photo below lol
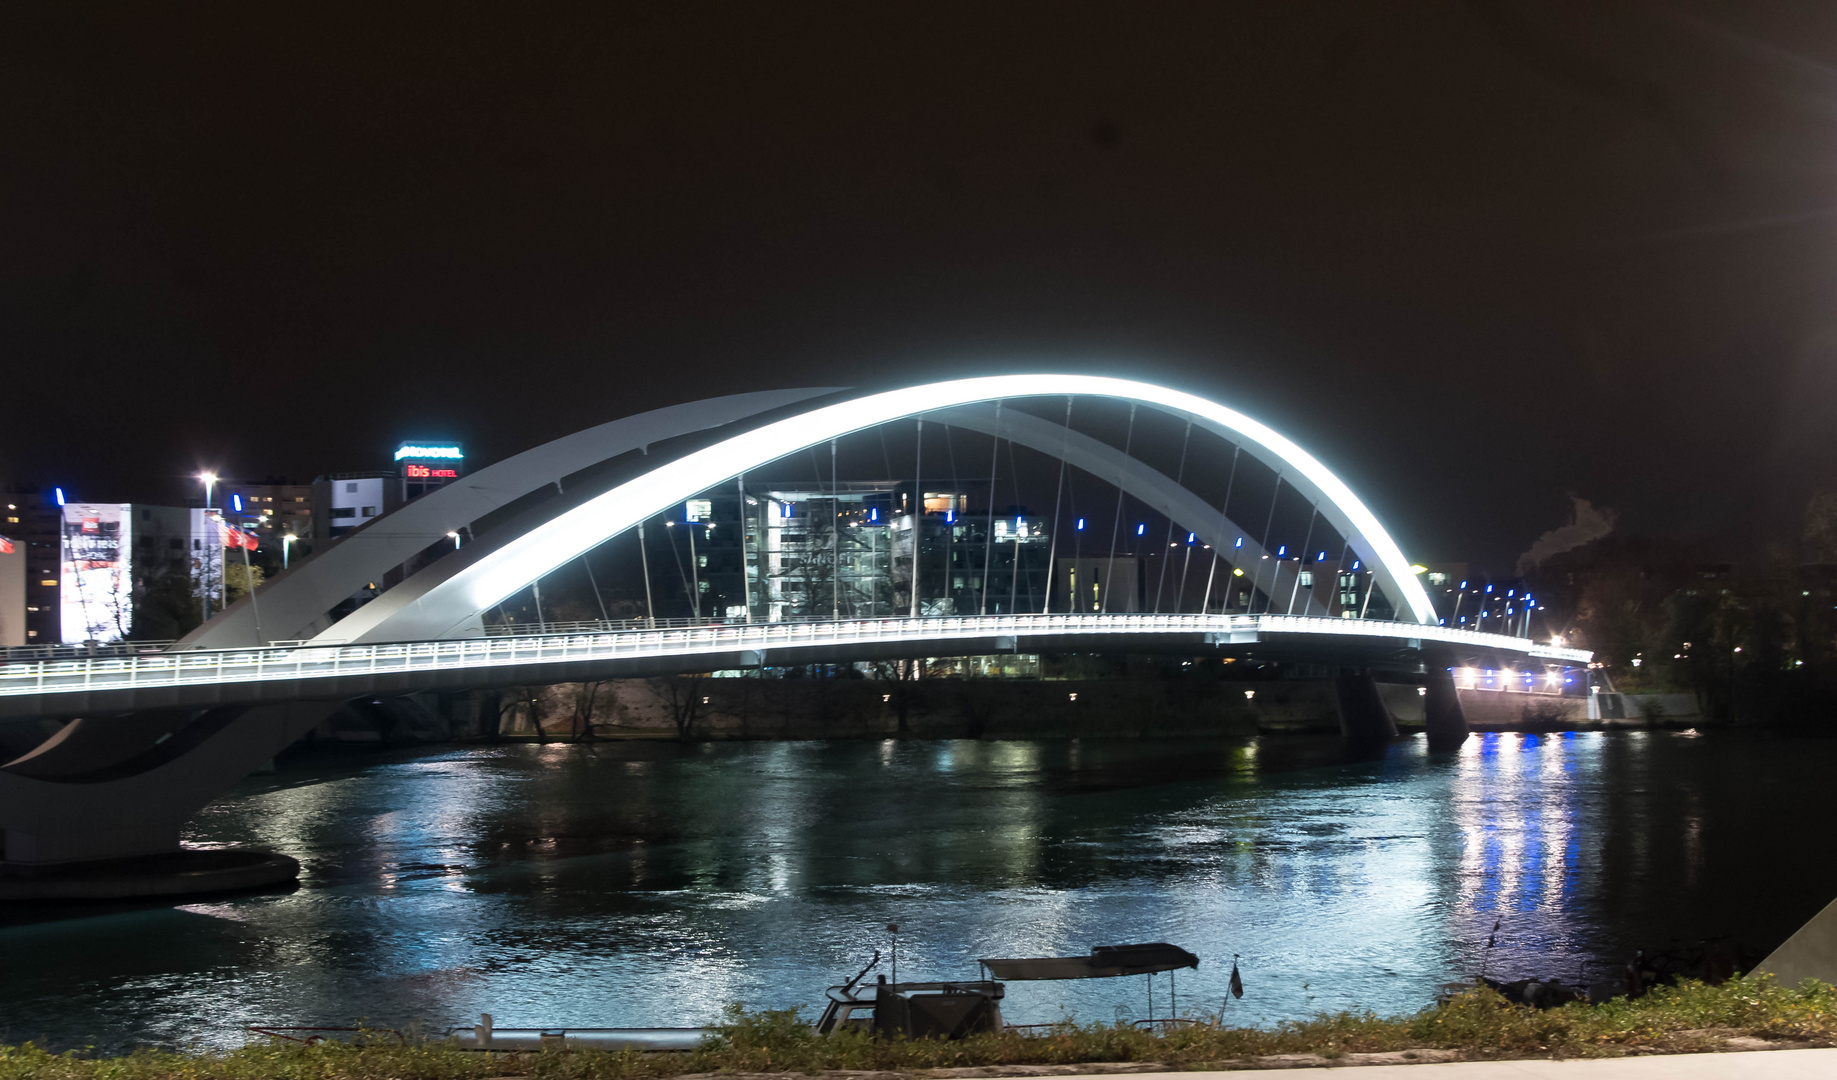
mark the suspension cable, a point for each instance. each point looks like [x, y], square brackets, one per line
[1301, 560]
[1116, 521]
[988, 531]
[813, 599]
[1014, 579]
[746, 586]
[918, 508]
[1224, 514]
[1179, 477]
[835, 538]
[1343, 552]
[1071, 582]
[1186, 564]
[1267, 525]
[950, 525]
[676, 553]
[595, 585]
[644, 560]
[1052, 546]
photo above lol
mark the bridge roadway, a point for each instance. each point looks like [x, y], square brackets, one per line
[101, 685]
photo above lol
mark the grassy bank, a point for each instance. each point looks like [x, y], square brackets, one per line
[1480, 1024]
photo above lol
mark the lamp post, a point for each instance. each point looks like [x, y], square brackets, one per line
[287, 540]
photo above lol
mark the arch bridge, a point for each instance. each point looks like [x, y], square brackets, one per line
[151, 737]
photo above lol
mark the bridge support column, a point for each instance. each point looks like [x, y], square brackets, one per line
[97, 811]
[1442, 715]
[1362, 715]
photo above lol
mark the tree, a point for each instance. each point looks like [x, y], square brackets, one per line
[584, 695]
[239, 580]
[902, 673]
[166, 609]
[1821, 528]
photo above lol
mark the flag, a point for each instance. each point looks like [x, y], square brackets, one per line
[1237, 982]
[236, 538]
[6, 546]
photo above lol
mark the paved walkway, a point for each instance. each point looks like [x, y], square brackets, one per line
[1756, 1064]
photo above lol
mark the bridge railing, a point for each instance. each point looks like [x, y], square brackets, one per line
[309, 662]
[13, 653]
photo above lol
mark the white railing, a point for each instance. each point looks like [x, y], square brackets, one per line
[13, 653]
[296, 662]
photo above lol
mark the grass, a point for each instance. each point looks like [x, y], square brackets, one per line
[1691, 1017]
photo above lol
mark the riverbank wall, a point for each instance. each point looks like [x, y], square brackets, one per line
[763, 708]
[750, 708]
[939, 708]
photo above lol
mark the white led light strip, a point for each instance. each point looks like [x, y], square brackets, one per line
[447, 607]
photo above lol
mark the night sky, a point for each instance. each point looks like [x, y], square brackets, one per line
[1473, 256]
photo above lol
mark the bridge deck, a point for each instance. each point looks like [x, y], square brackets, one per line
[52, 687]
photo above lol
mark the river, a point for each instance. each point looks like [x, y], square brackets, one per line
[650, 883]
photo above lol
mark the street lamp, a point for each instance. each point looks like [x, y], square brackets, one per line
[286, 547]
[210, 481]
[455, 537]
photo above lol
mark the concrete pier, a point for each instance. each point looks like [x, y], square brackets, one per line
[1443, 717]
[1362, 715]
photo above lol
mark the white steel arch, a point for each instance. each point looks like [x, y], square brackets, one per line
[294, 604]
[450, 606]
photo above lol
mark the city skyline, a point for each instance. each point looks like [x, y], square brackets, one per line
[1600, 268]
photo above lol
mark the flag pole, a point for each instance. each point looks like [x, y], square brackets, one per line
[248, 576]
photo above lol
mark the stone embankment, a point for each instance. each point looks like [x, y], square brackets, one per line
[748, 707]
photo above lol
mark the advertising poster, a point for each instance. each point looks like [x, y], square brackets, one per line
[12, 592]
[97, 590]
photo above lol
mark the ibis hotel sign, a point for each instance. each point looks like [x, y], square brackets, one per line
[425, 461]
[426, 466]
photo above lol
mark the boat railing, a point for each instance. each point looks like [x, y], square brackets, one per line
[1168, 1024]
[320, 1034]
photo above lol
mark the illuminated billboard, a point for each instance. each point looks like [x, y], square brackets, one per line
[96, 590]
[12, 592]
[427, 466]
[420, 452]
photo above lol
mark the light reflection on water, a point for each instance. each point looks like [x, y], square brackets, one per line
[637, 884]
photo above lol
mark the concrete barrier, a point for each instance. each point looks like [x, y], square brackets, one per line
[1810, 953]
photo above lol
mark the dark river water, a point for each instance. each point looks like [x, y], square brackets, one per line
[650, 884]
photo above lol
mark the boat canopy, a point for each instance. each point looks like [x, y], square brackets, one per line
[1104, 962]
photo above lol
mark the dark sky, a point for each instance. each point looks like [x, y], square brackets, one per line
[1474, 256]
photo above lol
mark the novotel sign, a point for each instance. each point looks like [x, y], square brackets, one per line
[428, 453]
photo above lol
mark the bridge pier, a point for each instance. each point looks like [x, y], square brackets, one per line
[97, 811]
[1442, 714]
[1363, 719]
